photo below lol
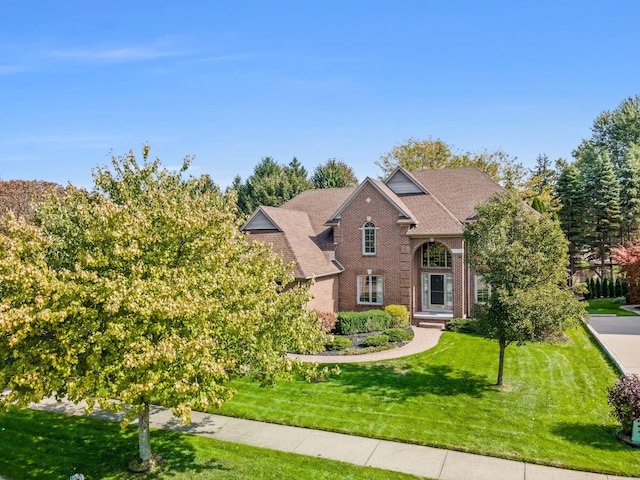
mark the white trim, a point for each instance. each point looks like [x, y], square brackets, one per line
[475, 289]
[457, 250]
[379, 289]
[365, 229]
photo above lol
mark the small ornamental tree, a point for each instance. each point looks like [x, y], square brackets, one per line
[143, 289]
[522, 255]
[624, 398]
[628, 257]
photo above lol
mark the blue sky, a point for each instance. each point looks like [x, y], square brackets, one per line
[232, 82]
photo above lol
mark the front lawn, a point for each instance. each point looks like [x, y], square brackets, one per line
[552, 410]
[607, 307]
[42, 445]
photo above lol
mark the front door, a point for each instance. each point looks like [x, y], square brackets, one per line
[437, 292]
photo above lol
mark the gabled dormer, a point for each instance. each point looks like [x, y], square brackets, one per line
[261, 221]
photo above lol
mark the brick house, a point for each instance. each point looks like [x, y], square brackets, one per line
[393, 242]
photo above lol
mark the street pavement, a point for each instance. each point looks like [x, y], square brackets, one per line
[621, 337]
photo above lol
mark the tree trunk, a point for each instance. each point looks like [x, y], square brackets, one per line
[503, 346]
[144, 435]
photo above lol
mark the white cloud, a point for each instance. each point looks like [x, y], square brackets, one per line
[121, 54]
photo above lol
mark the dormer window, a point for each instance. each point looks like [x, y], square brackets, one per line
[369, 239]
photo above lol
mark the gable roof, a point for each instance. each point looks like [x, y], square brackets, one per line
[459, 190]
[293, 237]
[404, 214]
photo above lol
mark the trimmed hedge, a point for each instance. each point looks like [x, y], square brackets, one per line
[362, 322]
[333, 344]
[463, 325]
[375, 341]
[398, 335]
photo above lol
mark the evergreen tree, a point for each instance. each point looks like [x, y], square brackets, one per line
[270, 184]
[630, 194]
[598, 288]
[333, 174]
[618, 288]
[538, 205]
[570, 191]
[605, 288]
[603, 209]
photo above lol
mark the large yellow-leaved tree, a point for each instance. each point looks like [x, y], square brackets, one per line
[142, 289]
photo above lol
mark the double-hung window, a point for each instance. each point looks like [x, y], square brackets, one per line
[369, 239]
[370, 289]
[483, 290]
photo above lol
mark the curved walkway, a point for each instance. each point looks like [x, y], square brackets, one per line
[423, 339]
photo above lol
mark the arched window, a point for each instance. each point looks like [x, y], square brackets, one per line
[435, 255]
[369, 239]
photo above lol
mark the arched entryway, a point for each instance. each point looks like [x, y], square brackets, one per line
[433, 281]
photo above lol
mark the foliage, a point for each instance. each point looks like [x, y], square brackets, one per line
[614, 131]
[327, 320]
[523, 257]
[375, 341]
[398, 334]
[603, 208]
[21, 196]
[619, 291]
[629, 174]
[144, 288]
[399, 315]
[431, 154]
[334, 174]
[270, 184]
[462, 325]
[628, 257]
[336, 342]
[619, 301]
[598, 288]
[570, 192]
[362, 322]
[538, 205]
[624, 398]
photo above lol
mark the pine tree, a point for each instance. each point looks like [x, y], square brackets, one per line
[603, 208]
[598, 288]
[618, 287]
[570, 191]
[630, 194]
[605, 288]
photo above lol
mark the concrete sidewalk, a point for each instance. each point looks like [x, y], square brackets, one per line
[412, 459]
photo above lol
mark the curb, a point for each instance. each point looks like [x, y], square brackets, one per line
[606, 349]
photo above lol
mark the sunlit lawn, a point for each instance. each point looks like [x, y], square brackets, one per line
[607, 307]
[552, 410]
[41, 445]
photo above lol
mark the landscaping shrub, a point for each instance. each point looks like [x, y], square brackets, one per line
[618, 289]
[463, 325]
[398, 334]
[334, 343]
[598, 290]
[375, 341]
[619, 301]
[362, 322]
[399, 316]
[327, 320]
[605, 287]
[624, 397]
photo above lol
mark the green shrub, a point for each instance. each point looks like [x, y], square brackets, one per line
[624, 398]
[362, 322]
[375, 341]
[618, 288]
[619, 301]
[398, 334]
[399, 316]
[463, 325]
[335, 343]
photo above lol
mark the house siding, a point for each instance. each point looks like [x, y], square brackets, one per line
[392, 259]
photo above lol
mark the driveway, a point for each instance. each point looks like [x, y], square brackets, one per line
[622, 336]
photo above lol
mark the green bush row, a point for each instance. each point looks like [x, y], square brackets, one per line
[336, 343]
[463, 325]
[362, 322]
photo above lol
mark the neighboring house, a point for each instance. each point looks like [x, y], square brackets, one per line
[381, 243]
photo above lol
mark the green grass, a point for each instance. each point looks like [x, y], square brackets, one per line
[42, 445]
[553, 409]
[607, 307]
